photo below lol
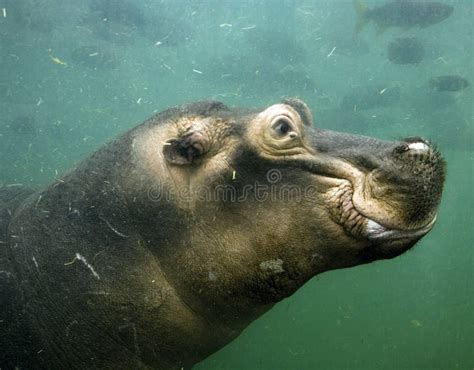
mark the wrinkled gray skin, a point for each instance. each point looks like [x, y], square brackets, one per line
[109, 267]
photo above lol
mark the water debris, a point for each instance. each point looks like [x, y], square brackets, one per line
[35, 262]
[56, 60]
[225, 25]
[4, 12]
[71, 262]
[81, 258]
[95, 57]
[167, 67]
[441, 59]
[59, 182]
[234, 175]
[305, 11]
[248, 28]
[39, 200]
[139, 101]
[101, 292]
[331, 52]
[370, 97]
[197, 71]
[346, 45]
[114, 229]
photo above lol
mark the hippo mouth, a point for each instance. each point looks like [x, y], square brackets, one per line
[360, 226]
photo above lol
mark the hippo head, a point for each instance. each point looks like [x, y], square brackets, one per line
[166, 243]
[251, 204]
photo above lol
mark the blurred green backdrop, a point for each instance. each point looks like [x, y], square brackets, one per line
[73, 75]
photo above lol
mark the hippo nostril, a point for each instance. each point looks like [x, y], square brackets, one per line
[413, 148]
[401, 149]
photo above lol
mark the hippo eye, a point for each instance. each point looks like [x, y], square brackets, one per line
[283, 127]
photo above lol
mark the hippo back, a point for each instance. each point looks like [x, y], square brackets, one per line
[10, 199]
[10, 302]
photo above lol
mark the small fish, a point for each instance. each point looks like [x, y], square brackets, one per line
[57, 60]
[405, 50]
[448, 83]
[402, 13]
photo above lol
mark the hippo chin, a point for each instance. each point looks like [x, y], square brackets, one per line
[166, 243]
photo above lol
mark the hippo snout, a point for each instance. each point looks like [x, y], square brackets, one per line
[422, 169]
[391, 190]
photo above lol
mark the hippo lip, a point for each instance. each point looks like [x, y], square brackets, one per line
[358, 225]
[377, 232]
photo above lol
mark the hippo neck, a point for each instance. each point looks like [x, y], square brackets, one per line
[110, 279]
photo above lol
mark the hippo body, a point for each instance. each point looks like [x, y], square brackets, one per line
[163, 245]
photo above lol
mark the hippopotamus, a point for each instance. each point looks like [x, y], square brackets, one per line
[166, 243]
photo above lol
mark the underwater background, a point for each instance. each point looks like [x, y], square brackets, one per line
[75, 74]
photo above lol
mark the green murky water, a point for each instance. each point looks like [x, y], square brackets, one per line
[74, 74]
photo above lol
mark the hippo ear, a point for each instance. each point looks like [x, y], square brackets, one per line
[185, 149]
[302, 109]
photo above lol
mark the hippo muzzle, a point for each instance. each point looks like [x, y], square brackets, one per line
[387, 192]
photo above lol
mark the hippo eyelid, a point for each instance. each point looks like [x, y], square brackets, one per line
[283, 126]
